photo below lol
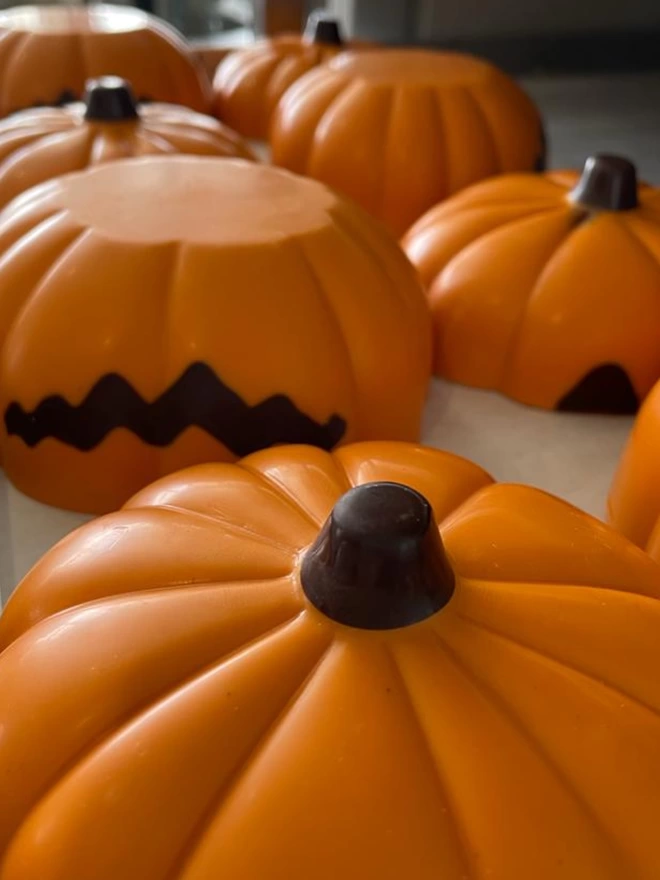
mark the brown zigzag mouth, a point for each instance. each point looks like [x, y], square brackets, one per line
[197, 398]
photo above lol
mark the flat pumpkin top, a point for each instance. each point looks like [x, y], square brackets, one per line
[412, 66]
[190, 199]
[73, 19]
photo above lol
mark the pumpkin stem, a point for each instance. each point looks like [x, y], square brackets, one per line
[379, 561]
[109, 99]
[607, 183]
[323, 29]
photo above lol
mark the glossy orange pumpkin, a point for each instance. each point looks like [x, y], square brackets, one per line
[634, 502]
[48, 52]
[250, 82]
[547, 288]
[400, 130]
[37, 145]
[212, 683]
[166, 311]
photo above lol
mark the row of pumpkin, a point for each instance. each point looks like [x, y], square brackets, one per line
[373, 662]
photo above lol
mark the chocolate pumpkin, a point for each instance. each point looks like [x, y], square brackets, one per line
[547, 288]
[400, 130]
[48, 52]
[165, 311]
[634, 501]
[36, 145]
[249, 83]
[275, 675]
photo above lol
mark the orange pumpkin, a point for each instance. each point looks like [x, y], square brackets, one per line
[634, 502]
[48, 52]
[36, 145]
[166, 311]
[249, 83]
[265, 696]
[399, 130]
[547, 288]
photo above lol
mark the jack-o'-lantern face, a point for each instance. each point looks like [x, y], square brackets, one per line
[160, 312]
[547, 287]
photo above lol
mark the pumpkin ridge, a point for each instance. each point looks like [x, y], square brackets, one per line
[516, 335]
[61, 773]
[355, 237]
[235, 777]
[440, 117]
[231, 526]
[328, 307]
[502, 707]
[471, 869]
[481, 113]
[281, 490]
[345, 89]
[386, 149]
[12, 50]
[79, 235]
[630, 229]
[509, 223]
[554, 661]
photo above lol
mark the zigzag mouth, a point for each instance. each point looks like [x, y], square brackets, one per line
[197, 398]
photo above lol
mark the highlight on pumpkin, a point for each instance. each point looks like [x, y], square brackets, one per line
[107, 125]
[546, 287]
[262, 715]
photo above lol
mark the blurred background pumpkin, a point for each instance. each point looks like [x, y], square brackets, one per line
[547, 288]
[109, 124]
[48, 52]
[286, 670]
[165, 311]
[250, 82]
[398, 130]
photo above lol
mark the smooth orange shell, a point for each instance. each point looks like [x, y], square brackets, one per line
[398, 130]
[531, 293]
[37, 145]
[249, 83]
[166, 311]
[172, 706]
[634, 501]
[48, 52]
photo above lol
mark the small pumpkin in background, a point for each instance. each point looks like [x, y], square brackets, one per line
[170, 310]
[248, 84]
[398, 130]
[37, 145]
[47, 53]
[287, 670]
[547, 287]
[634, 500]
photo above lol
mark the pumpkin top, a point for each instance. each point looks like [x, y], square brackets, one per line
[378, 563]
[322, 28]
[190, 199]
[412, 66]
[109, 99]
[608, 183]
[100, 18]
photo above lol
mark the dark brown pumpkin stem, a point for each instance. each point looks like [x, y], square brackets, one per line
[109, 99]
[323, 29]
[607, 183]
[379, 561]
